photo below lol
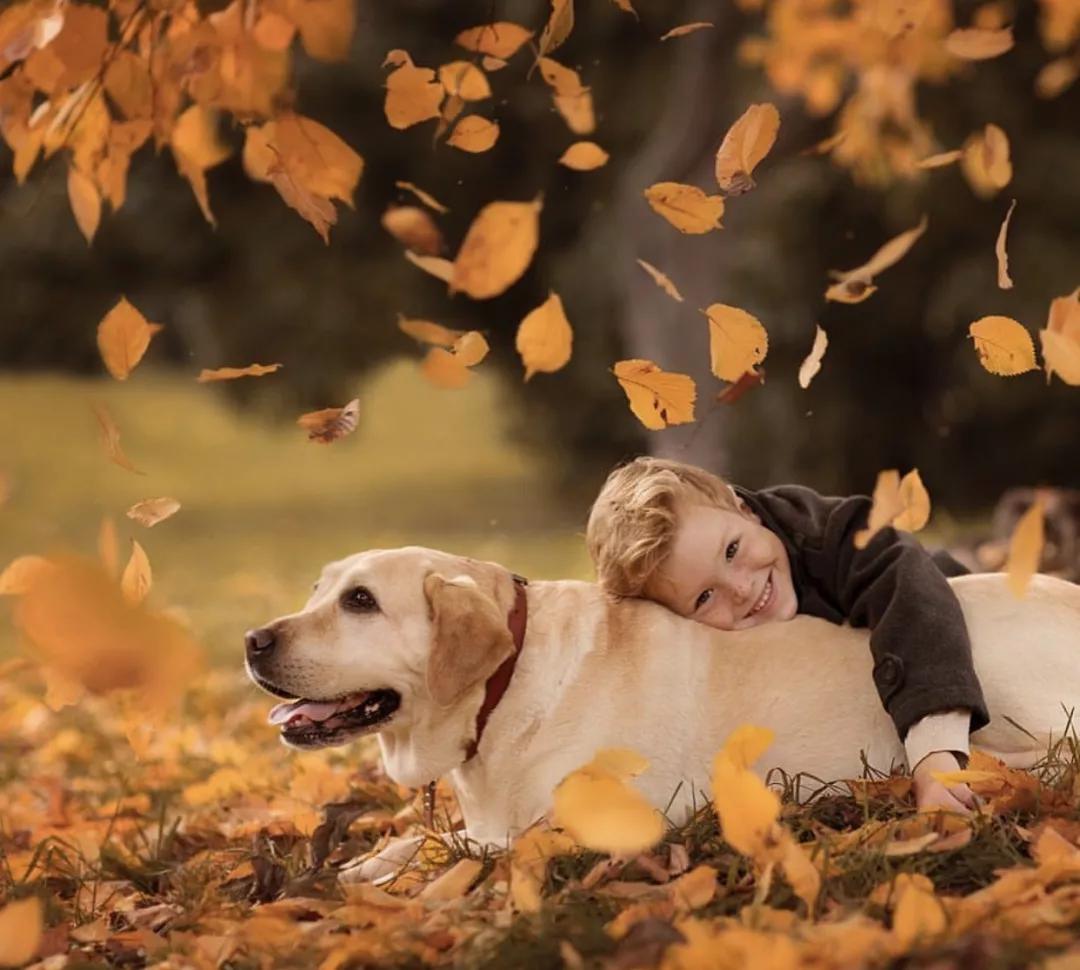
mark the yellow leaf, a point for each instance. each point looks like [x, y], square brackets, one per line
[661, 280]
[60, 691]
[151, 511]
[429, 200]
[800, 872]
[330, 424]
[746, 143]
[686, 207]
[474, 134]
[20, 573]
[412, 226]
[544, 338]
[967, 776]
[850, 291]
[454, 883]
[196, 147]
[915, 503]
[737, 341]
[232, 373]
[497, 249]
[683, 29]
[1061, 339]
[979, 44]
[694, 889]
[441, 269]
[657, 398]
[746, 744]
[622, 763]
[109, 435]
[918, 915]
[747, 809]
[85, 202]
[501, 39]
[985, 161]
[450, 368]
[1025, 550]
[137, 577]
[602, 812]
[1004, 281]
[572, 99]
[471, 348]
[557, 29]
[20, 931]
[122, 338]
[855, 284]
[940, 160]
[108, 546]
[812, 364]
[1057, 77]
[885, 507]
[1004, 346]
[584, 156]
[413, 94]
[464, 80]
[326, 26]
[529, 856]
[428, 332]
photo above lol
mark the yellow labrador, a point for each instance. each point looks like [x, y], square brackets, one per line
[406, 643]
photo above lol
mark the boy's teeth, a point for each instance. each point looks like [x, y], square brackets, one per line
[764, 597]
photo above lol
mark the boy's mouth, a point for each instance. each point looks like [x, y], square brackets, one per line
[765, 598]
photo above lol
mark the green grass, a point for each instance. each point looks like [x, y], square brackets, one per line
[263, 508]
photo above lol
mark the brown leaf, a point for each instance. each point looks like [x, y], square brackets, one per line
[501, 39]
[979, 44]
[686, 207]
[110, 439]
[661, 280]
[122, 338]
[497, 249]
[733, 393]
[1004, 281]
[26, 27]
[558, 27]
[429, 200]
[657, 398]
[329, 424]
[683, 29]
[232, 373]
[746, 143]
[412, 226]
[151, 511]
[544, 338]
[855, 285]
[21, 920]
[812, 364]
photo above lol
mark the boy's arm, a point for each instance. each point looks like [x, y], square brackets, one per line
[946, 731]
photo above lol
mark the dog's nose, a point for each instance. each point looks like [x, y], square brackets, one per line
[258, 641]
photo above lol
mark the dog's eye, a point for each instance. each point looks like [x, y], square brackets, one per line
[359, 599]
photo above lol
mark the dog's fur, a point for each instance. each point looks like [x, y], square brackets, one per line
[596, 673]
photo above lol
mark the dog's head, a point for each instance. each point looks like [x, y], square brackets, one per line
[385, 634]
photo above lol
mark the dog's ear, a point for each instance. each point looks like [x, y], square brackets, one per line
[470, 637]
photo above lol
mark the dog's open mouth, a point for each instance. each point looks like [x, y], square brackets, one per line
[322, 724]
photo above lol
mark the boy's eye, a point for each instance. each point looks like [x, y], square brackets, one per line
[733, 547]
[702, 599]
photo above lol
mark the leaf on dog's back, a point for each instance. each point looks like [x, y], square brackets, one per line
[601, 811]
[1025, 550]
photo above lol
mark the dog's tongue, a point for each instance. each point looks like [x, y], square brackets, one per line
[314, 710]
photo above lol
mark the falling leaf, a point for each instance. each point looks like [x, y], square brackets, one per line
[558, 27]
[464, 80]
[661, 280]
[441, 269]
[940, 160]
[1004, 281]
[686, 207]
[985, 161]
[151, 511]
[1061, 339]
[584, 156]
[746, 143]
[602, 812]
[497, 249]
[501, 39]
[812, 364]
[197, 147]
[429, 333]
[1004, 346]
[5, 488]
[108, 546]
[1057, 77]
[747, 809]
[413, 94]
[85, 202]
[855, 285]
[21, 925]
[695, 889]
[110, 439]
[902, 503]
[450, 368]
[572, 99]
[20, 573]
[657, 398]
[626, 7]
[412, 226]
[918, 916]
[684, 29]
[474, 134]
[529, 857]
[329, 424]
[122, 338]
[734, 392]
[737, 341]
[978, 44]
[429, 200]
[232, 373]
[544, 338]
[137, 578]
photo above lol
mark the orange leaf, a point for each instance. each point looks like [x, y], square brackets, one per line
[497, 249]
[1004, 346]
[686, 207]
[683, 29]
[449, 368]
[940, 160]
[428, 332]
[197, 148]
[558, 27]
[572, 99]
[326, 27]
[151, 511]
[501, 39]
[746, 143]
[85, 202]
[464, 80]
[737, 341]
[855, 284]
[329, 424]
[429, 200]
[584, 156]
[21, 924]
[661, 280]
[812, 364]
[1061, 339]
[901, 503]
[137, 577]
[544, 338]
[985, 161]
[474, 134]
[1004, 281]
[1025, 550]
[232, 373]
[412, 226]
[20, 573]
[110, 439]
[413, 94]
[441, 269]
[108, 546]
[979, 44]
[657, 398]
[122, 338]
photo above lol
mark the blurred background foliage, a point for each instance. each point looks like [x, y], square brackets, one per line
[901, 385]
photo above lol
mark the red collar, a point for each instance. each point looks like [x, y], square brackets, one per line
[500, 680]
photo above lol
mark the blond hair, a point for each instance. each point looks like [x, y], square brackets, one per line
[633, 520]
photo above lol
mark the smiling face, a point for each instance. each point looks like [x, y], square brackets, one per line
[725, 570]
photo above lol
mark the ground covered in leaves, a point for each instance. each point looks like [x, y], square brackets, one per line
[191, 838]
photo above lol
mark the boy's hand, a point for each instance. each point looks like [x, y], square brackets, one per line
[931, 794]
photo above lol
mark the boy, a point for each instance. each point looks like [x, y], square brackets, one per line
[732, 559]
